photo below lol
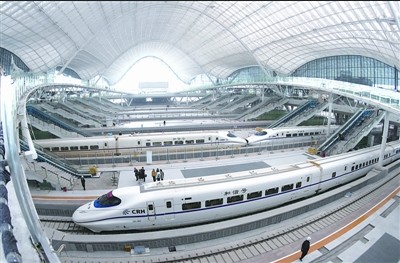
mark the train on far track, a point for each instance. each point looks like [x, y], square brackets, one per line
[287, 134]
[117, 144]
[194, 201]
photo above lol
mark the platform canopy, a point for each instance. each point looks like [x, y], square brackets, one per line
[196, 37]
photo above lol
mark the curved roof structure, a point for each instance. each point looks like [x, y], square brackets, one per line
[211, 37]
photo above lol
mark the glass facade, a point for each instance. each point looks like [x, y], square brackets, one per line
[6, 58]
[355, 69]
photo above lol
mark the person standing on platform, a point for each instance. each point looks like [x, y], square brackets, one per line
[136, 171]
[161, 174]
[142, 174]
[83, 181]
[305, 247]
[153, 174]
[158, 174]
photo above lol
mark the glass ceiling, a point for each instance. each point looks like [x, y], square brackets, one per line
[203, 37]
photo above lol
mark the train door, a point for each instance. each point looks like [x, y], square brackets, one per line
[151, 211]
[169, 209]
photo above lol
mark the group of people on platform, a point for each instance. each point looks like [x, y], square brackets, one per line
[156, 174]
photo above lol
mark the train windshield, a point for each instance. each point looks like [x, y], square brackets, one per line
[107, 200]
[260, 133]
[231, 135]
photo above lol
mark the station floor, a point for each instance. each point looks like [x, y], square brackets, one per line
[380, 243]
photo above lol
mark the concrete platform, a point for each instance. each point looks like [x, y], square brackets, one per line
[375, 238]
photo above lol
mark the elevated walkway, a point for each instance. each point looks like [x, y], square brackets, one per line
[81, 120]
[303, 110]
[305, 115]
[49, 119]
[201, 102]
[351, 133]
[238, 103]
[262, 107]
[221, 102]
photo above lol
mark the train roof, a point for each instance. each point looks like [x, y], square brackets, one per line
[295, 128]
[138, 135]
[221, 178]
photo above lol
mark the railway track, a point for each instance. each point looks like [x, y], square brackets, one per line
[260, 244]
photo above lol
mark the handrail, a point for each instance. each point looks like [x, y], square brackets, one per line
[10, 248]
[54, 161]
[330, 141]
[295, 112]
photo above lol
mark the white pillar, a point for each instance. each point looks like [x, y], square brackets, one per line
[384, 138]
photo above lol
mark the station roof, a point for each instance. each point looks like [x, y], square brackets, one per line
[196, 37]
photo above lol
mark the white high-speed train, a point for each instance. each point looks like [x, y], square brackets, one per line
[275, 135]
[116, 143]
[166, 204]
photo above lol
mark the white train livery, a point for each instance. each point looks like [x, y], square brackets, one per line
[276, 135]
[183, 202]
[129, 141]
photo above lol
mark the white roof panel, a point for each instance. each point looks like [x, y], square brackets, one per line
[213, 37]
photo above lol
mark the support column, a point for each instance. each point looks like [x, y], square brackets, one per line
[371, 139]
[384, 138]
[330, 101]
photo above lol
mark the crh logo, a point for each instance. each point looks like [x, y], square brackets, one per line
[125, 212]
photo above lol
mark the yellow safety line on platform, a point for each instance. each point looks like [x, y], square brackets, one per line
[296, 255]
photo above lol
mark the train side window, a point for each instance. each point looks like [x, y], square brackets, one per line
[168, 143]
[294, 134]
[333, 174]
[301, 134]
[287, 187]
[178, 142]
[94, 147]
[352, 168]
[193, 205]
[84, 147]
[138, 142]
[157, 143]
[168, 204]
[356, 167]
[64, 148]
[298, 184]
[271, 191]
[47, 148]
[288, 135]
[74, 147]
[235, 198]
[312, 133]
[150, 207]
[254, 195]
[189, 141]
[199, 141]
[345, 168]
[105, 144]
[214, 202]
[306, 134]
[308, 179]
[148, 144]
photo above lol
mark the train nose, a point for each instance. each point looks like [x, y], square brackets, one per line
[81, 213]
